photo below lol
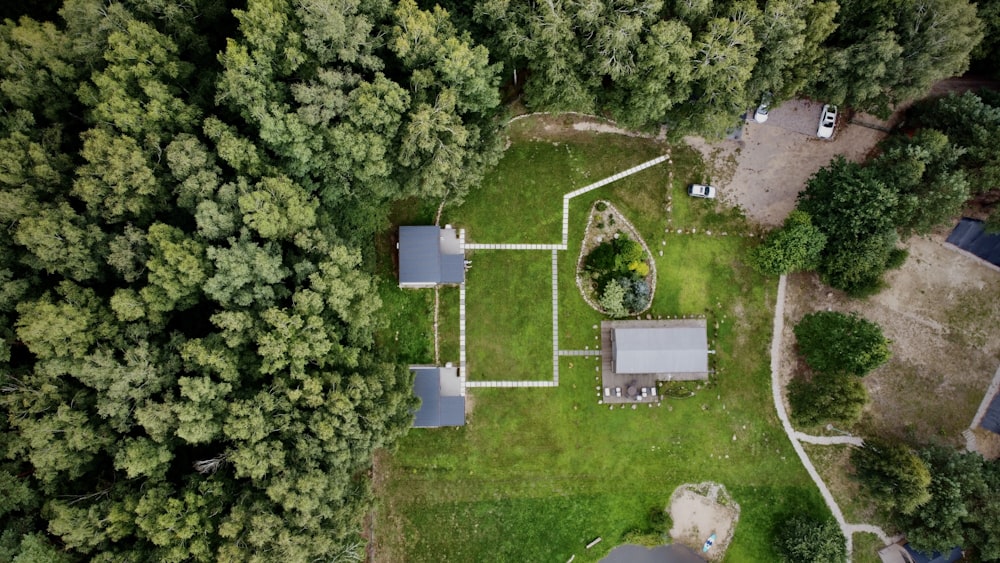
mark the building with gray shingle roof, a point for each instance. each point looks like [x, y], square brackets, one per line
[441, 402]
[430, 255]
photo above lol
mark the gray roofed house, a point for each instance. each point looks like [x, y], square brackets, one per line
[636, 355]
[441, 400]
[659, 349]
[429, 256]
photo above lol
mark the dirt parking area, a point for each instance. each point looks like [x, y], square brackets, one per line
[764, 171]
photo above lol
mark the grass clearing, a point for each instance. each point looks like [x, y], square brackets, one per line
[508, 315]
[448, 324]
[834, 465]
[536, 474]
[866, 548]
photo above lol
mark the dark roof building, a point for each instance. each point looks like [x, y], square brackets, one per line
[970, 236]
[430, 255]
[991, 420]
[441, 400]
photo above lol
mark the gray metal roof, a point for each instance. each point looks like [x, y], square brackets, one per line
[660, 350]
[422, 260]
[969, 235]
[991, 420]
[435, 410]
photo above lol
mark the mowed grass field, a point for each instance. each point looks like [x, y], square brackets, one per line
[536, 474]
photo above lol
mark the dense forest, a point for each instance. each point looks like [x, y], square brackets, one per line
[189, 194]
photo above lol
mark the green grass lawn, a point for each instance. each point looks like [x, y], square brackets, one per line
[538, 473]
[866, 548]
[508, 315]
[448, 328]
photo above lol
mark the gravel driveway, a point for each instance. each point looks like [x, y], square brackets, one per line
[764, 171]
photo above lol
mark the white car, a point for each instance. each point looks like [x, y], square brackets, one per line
[760, 116]
[827, 121]
[701, 190]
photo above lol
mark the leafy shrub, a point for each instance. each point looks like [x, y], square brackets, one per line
[897, 258]
[637, 293]
[612, 299]
[802, 539]
[835, 342]
[893, 474]
[601, 206]
[828, 397]
[601, 259]
[795, 246]
[620, 262]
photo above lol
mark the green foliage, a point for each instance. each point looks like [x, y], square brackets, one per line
[894, 474]
[619, 269]
[923, 170]
[833, 342]
[803, 539]
[963, 508]
[827, 398]
[794, 247]
[972, 124]
[992, 224]
[857, 212]
[880, 55]
[612, 299]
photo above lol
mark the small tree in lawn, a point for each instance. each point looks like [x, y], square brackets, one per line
[835, 342]
[893, 474]
[803, 539]
[794, 247]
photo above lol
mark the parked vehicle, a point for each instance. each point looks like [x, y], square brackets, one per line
[827, 121]
[701, 190]
[760, 116]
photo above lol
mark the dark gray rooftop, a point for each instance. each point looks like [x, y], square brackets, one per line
[437, 407]
[429, 255]
[671, 349]
[991, 420]
[970, 236]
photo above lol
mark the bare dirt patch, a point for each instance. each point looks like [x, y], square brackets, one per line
[942, 313]
[698, 511]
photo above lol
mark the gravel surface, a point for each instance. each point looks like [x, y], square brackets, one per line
[764, 172]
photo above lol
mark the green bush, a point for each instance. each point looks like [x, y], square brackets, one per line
[619, 265]
[828, 397]
[802, 539]
[835, 342]
[893, 474]
[794, 247]
[612, 299]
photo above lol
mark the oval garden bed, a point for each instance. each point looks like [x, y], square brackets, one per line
[615, 271]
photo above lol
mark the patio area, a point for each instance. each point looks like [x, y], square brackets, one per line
[637, 388]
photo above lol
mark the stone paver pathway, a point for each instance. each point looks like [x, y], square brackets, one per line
[778, 326]
[555, 248]
[828, 440]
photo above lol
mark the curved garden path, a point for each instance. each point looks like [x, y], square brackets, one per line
[797, 437]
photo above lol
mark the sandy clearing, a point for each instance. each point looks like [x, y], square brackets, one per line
[942, 314]
[699, 511]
